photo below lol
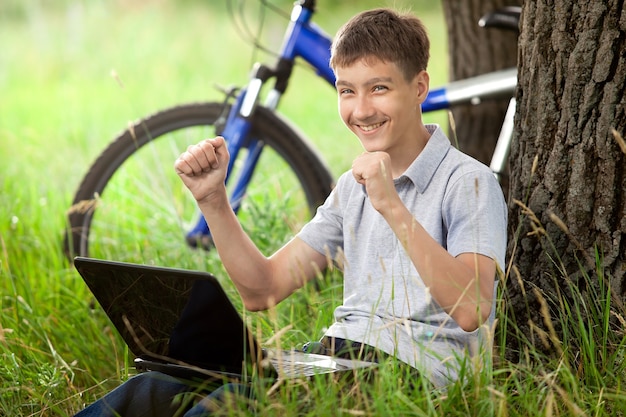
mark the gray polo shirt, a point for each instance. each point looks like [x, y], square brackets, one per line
[386, 304]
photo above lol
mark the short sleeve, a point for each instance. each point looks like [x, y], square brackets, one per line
[324, 232]
[475, 216]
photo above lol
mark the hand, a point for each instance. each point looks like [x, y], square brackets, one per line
[202, 168]
[373, 170]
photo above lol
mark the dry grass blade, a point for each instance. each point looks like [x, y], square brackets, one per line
[620, 141]
[561, 225]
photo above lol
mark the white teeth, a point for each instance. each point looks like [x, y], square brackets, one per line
[371, 127]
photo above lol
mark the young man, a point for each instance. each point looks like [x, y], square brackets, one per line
[418, 227]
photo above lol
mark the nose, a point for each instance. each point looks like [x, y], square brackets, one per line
[363, 108]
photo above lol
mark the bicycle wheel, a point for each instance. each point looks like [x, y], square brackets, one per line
[132, 206]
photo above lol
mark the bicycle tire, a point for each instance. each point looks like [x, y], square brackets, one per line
[103, 224]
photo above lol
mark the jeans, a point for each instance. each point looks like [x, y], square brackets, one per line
[158, 395]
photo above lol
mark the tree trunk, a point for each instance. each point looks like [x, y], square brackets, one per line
[474, 50]
[568, 182]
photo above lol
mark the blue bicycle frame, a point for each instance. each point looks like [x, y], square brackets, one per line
[306, 40]
[302, 39]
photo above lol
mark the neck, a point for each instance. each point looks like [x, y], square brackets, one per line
[403, 157]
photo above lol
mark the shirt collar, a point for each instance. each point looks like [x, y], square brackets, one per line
[423, 168]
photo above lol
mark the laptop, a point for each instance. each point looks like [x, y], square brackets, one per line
[182, 323]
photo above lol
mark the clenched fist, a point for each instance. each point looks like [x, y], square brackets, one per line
[203, 167]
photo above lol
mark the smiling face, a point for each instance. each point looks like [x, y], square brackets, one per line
[381, 107]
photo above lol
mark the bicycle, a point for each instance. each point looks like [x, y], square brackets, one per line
[260, 141]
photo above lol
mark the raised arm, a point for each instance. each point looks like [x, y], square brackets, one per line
[461, 285]
[261, 281]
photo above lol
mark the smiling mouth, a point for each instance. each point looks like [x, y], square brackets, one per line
[369, 128]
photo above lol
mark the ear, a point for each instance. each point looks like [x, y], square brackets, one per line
[422, 83]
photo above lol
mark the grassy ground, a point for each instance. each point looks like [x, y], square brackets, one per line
[72, 74]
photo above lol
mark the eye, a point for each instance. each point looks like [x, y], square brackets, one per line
[378, 88]
[344, 91]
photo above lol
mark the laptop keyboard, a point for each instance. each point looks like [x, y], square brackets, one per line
[294, 364]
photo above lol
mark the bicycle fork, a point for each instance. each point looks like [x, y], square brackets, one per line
[237, 132]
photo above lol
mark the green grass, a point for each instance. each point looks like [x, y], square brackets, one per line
[60, 106]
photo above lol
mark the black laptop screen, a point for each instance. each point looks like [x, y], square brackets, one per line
[165, 312]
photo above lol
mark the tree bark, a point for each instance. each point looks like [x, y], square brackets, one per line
[568, 182]
[474, 50]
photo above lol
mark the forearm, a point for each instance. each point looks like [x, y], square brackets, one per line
[248, 268]
[462, 287]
